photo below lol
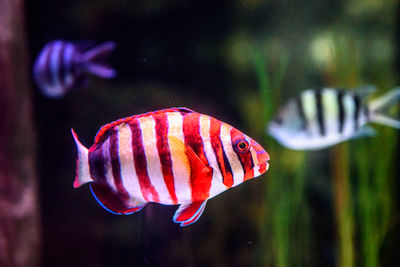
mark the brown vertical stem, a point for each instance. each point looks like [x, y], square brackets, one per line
[19, 231]
[343, 206]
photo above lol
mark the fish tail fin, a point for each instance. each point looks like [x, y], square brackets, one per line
[82, 164]
[378, 106]
[94, 60]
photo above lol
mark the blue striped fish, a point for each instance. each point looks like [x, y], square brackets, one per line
[62, 66]
[171, 156]
[321, 118]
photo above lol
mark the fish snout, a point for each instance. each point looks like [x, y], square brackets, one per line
[262, 157]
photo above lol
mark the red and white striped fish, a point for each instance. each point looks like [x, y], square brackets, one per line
[171, 156]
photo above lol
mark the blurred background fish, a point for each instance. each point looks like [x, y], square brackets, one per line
[62, 66]
[319, 118]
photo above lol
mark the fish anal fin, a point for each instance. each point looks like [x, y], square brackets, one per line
[365, 131]
[187, 214]
[112, 202]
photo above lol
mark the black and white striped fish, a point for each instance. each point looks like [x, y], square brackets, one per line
[320, 118]
[62, 66]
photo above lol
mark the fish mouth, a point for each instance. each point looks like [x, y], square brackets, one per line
[263, 156]
[263, 167]
[267, 166]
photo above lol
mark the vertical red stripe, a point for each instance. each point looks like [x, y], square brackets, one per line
[148, 191]
[164, 153]
[246, 160]
[116, 167]
[200, 179]
[223, 163]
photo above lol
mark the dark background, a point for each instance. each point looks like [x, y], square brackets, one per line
[197, 54]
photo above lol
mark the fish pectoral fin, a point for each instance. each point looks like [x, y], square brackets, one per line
[112, 202]
[365, 131]
[188, 154]
[187, 214]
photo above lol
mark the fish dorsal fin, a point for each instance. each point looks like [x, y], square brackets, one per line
[102, 134]
[182, 110]
[364, 91]
[112, 202]
[187, 214]
[84, 45]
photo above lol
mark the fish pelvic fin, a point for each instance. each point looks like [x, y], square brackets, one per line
[379, 105]
[94, 60]
[82, 164]
[187, 214]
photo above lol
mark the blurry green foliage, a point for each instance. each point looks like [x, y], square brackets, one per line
[345, 56]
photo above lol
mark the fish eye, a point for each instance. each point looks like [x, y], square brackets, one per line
[242, 146]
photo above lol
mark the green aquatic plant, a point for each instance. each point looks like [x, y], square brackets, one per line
[358, 189]
[363, 199]
[361, 196]
[344, 71]
[284, 219]
[374, 196]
